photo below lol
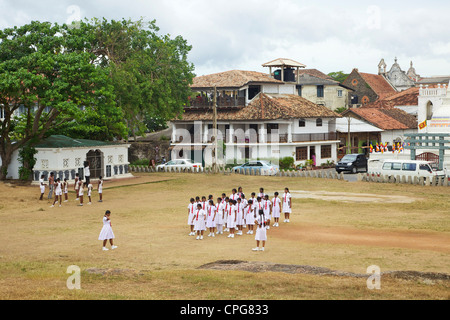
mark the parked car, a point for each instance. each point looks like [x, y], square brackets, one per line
[265, 167]
[353, 163]
[179, 163]
[394, 168]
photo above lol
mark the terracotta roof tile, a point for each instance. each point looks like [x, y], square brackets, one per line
[264, 107]
[409, 97]
[387, 119]
[378, 84]
[232, 79]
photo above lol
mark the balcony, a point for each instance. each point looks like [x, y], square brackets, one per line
[222, 102]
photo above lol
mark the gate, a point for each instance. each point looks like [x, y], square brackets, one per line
[95, 159]
[431, 157]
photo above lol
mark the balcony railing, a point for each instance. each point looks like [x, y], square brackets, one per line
[222, 102]
[283, 138]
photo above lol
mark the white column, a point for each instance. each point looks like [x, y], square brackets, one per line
[174, 132]
[290, 133]
[205, 133]
[262, 133]
[231, 133]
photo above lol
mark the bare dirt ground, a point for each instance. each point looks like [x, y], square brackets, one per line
[331, 232]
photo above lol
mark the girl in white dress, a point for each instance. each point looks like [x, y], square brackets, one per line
[261, 231]
[261, 193]
[267, 210]
[90, 187]
[226, 210]
[250, 218]
[107, 233]
[66, 190]
[234, 196]
[199, 221]
[219, 215]
[80, 191]
[100, 189]
[211, 218]
[58, 192]
[287, 205]
[231, 221]
[191, 209]
[239, 216]
[276, 209]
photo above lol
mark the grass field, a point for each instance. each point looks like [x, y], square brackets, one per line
[156, 259]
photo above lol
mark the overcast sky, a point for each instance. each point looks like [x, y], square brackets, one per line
[327, 35]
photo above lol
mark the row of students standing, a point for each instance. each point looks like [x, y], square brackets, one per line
[234, 213]
[58, 188]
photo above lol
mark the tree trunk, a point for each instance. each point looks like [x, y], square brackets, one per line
[6, 160]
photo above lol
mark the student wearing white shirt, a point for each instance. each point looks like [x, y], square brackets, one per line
[239, 216]
[66, 190]
[219, 215]
[191, 209]
[42, 186]
[87, 173]
[199, 221]
[58, 192]
[231, 221]
[287, 205]
[250, 218]
[261, 231]
[267, 210]
[276, 209]
[211, 218]
[100, 189]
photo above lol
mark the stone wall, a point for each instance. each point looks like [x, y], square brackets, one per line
[150, 150]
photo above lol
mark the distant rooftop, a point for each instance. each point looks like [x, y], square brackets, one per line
[283, 62]
[60, 141]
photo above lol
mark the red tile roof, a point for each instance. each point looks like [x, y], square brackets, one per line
[386, 119]
[232, 79]
[378, 84]
[264, 107]
[409, 97]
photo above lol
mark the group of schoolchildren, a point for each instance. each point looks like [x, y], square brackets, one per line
[58, 188]
[235, 212]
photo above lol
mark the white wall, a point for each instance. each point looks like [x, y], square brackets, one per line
[13, 168]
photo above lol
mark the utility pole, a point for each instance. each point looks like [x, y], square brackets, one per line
[349, 139]
[215, 131]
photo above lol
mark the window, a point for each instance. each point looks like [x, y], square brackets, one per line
[355, 100]
[320, 91]
[355, 82]
[326, 152]
[302, 123]
[299, 89]
[387, 166]
[340, 93]
[425, 167]
[397, 166]
[409, 167]
[365, 100]
[319, 122]
[302, 153]
[108, 171]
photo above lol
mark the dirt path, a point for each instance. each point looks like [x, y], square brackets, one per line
[350, 197]
[340, 235]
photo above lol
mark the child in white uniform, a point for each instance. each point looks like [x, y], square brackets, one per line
[80, 191]
[191, 210]
[219, 215]
[231, 221]
[267, 210]
[276, 209]
[199, 221]
[100, 189]
[261, 231]
[42, 186]
[66, 190]
[250, 218]
[90, 187]
[211, 218]
[107, 233]
[287, 205]
[58, 192]
[239, 216]
[226, 210]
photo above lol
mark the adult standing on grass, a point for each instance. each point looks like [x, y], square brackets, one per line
[107, 233]
[287, 204]
[51, 185]
[87, 173]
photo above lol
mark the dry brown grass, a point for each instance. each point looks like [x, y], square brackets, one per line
[157, 260]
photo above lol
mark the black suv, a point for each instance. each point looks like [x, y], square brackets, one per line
[352, 163]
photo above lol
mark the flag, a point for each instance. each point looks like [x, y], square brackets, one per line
[378, 148]
[371, 148]
[393, 148]
[423, 125]
[386, 147]
[401, 148]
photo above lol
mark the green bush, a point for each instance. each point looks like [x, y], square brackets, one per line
[286, 163]
[140, 162]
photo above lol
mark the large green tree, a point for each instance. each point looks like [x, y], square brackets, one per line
[151, 73]
[49, 82]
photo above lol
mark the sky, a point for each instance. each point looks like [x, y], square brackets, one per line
[327, 35]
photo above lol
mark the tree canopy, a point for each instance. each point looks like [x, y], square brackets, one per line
[100, 80]
[339, 76]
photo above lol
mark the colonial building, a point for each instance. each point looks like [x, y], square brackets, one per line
[398, 78]
[259, 116]
[65, 157]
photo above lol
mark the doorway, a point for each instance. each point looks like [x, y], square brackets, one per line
[95, 159]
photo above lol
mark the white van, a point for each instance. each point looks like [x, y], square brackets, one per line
[413, 168]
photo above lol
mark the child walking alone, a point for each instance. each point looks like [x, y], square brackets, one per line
[107, 233]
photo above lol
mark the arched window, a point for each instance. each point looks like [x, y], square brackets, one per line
[365, 100]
